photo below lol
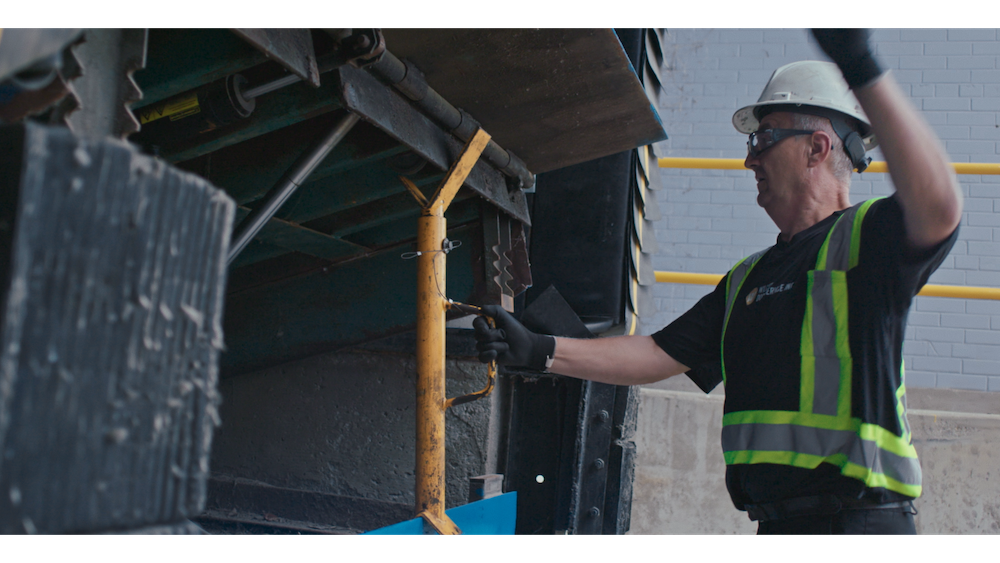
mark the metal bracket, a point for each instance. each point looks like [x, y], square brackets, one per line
[292, 48]
[100, 114]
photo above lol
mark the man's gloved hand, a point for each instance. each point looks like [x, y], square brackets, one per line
[849, 49]
[511, 344]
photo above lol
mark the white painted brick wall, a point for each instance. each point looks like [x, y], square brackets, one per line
[710, 218]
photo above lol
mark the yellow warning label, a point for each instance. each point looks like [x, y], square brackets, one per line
[174, 109]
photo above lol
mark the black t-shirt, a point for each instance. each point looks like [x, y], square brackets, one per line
[763, 340]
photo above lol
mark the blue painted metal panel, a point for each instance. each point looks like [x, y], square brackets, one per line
[492, 516]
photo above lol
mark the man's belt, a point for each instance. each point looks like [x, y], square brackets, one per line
[819, 505]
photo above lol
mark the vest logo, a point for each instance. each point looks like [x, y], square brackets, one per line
[758, 293]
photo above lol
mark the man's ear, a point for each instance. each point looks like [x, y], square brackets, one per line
[820, 145]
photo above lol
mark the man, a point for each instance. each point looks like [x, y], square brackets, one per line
[815, 435]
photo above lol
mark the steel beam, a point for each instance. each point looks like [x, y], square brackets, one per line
[408, 80]
[292, 179]
[292, 48]
[391, 112]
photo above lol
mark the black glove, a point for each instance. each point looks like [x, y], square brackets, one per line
[511, 344]
[849, 49]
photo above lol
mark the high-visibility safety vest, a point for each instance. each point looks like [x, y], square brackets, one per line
[823, 430]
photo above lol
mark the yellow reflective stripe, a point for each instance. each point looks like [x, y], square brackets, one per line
[879, 480]
[883, 438]
[807, 461]
[904, 423]
[795, 459]
[886, 440]
[871, 448]
[823, 421]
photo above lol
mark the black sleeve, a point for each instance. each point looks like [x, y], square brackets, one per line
[694, 339]
[908, 268]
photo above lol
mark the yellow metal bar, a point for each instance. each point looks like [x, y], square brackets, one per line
[961, 292]
[444, 526]
[413, 189]
[927, 291]
[431, 305]
[460, 170]
[703, 163]
[875, 167]
[430, 366]
[686, 277]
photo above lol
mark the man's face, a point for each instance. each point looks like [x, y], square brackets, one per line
[777, 169]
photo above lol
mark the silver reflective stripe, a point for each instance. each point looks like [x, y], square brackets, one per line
[838, 253]
[826, 383]
[822, 443]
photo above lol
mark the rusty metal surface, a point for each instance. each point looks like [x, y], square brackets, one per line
[555, 97]
[292, 48]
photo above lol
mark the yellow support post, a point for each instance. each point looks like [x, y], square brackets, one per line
[431, 307]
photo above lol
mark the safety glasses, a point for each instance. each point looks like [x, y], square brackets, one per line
[764, 139]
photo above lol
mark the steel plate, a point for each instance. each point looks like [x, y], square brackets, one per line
[554, 97]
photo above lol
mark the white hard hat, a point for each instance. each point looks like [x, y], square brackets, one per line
[813, 87]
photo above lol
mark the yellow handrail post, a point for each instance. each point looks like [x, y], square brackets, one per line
[431, 307]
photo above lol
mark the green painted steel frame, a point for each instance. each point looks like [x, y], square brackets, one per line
[324, 272]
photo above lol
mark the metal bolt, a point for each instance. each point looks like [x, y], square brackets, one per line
[602, 416]
[594, 512]
[598, 463]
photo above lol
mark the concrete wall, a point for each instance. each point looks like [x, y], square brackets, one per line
[710, 218]
[680, 475]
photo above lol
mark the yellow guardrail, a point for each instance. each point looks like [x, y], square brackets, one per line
[928, 290]
[880, 166]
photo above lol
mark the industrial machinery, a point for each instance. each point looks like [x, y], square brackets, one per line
[214, 262]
